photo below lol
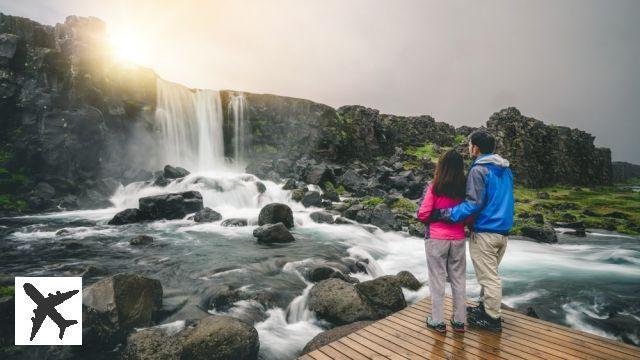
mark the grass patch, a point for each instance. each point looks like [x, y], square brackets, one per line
[10, 202]
[425, 151]
[595, 206]
[7, 291]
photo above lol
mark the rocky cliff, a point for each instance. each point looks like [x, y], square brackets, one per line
[623, 171]
[543, 155]
[76, 123]
[67, 113]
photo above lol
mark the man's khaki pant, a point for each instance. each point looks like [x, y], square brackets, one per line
[486, 250]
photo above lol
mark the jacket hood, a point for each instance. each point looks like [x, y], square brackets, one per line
[493, 159]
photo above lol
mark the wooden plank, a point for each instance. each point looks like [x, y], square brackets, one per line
[352, 354]
[509, 342]
[434, 352]
[381, 347]
[332, 353]
[453, 345]
[365, 351]
[419, 352]
[390, 345]
[318, 355]
[545, 325]
[547, 342]
[306, 357]
[574, 341]
[490, 348]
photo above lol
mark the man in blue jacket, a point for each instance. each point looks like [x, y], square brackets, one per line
[489, 200]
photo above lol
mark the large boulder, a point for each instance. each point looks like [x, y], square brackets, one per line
[329, 336]
[276, 213]
[339, 302]
[213, 337]
[221, 337]
[407, 280]
[129, 300]
[273, 233]
[170, 206]
[177, 172]
[544, 233]
[321, 217]
[207, 215]
[311, 198]
[127, 216]
[352, 181]
[383, 294]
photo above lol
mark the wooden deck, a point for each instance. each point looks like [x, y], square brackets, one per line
[404, 335]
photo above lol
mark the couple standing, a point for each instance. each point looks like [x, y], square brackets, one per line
[483, 202]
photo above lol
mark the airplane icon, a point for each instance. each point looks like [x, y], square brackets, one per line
[47, 307]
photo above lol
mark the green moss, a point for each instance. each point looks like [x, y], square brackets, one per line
[7, 291]
[373, 202]
[5, 155]
[425, 151]
[404, 204]
[10, 202]
[265, 149]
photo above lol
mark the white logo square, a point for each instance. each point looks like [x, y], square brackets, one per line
[48, 310]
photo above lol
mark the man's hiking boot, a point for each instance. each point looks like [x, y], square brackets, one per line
[485, 321]
[457, 326]
[439, 327]
[476, 310]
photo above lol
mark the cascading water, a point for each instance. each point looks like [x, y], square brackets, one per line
[190, 125]
[237, 109]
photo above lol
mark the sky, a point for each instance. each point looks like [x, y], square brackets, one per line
[571, 62]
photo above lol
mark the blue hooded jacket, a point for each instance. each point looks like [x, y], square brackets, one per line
[489, 196]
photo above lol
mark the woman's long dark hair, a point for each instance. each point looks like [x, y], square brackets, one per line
[449, 179]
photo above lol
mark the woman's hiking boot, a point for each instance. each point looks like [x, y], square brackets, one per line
[439, 327]
[457, 326]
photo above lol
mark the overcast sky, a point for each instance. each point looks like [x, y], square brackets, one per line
[573, 63]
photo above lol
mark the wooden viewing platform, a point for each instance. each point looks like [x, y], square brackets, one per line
[404, 335]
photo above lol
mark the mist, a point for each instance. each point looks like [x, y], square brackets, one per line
[571, 63]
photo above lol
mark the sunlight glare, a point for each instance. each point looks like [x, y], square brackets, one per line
[129, 47]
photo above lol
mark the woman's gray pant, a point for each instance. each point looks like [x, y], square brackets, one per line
[447, 257]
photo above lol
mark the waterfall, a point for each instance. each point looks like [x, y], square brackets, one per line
[237, 109]
[190, 124]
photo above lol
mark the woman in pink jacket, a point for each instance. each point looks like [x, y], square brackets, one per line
[445, 242]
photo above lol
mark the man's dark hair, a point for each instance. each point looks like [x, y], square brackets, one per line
[484, 141]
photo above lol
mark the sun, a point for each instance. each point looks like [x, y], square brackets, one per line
[129, 47]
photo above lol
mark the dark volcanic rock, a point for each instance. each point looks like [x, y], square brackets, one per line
[339, 302]
[170, 206]
[384, 294]
[321, 217]
[407, 280]
[273, 233]
[207, 215]
[544, 233]
[542, 155]
[128, 300]
[213, 337]
[234, 222]
[171, 172]
[141, 240]
[127, 216]
[274, 213]
[311, 198]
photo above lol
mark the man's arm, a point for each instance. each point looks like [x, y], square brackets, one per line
[474, 198]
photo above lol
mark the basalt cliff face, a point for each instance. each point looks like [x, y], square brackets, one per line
[76, 123]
